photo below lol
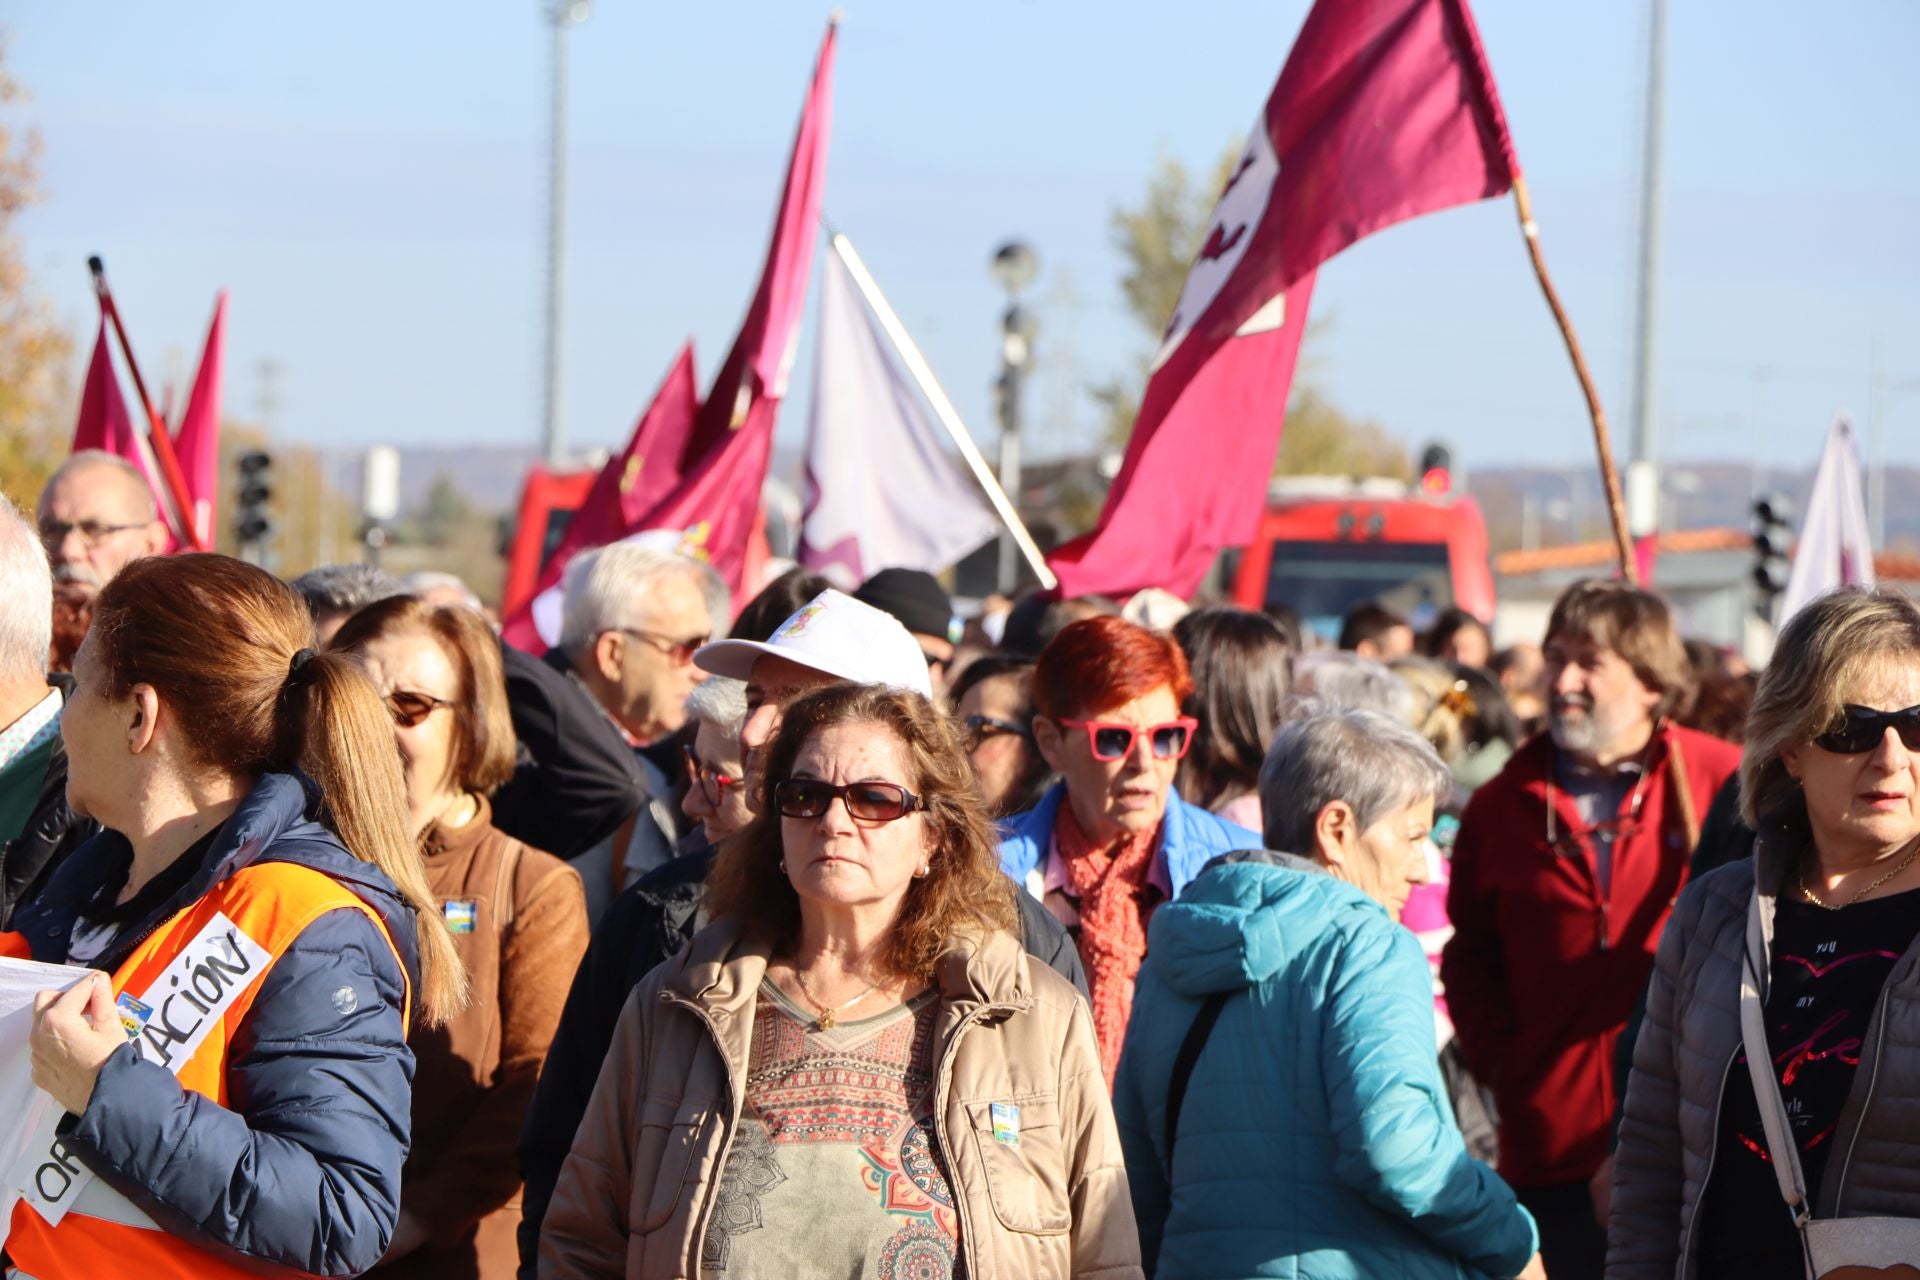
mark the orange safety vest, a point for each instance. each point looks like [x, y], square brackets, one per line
[270, 904]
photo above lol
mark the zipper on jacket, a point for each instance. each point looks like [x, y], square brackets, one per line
[1713, 1152]
[734, 1104]
[1866, 1100]
[941, 1092]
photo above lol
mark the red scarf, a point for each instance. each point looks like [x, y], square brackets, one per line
[1110, 882]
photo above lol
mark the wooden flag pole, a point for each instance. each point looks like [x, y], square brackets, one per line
[1602, 442]
[942, 407]
[179, 505]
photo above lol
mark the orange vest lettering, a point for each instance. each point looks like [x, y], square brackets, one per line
[182, 994]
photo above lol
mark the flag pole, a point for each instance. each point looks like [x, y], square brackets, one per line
[942, 407]
[1602, 442]
[173, 481]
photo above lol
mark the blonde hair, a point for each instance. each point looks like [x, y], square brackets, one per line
[216, 638]
[1823, 652]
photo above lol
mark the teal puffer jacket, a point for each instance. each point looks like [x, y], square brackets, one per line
[1315, 1140]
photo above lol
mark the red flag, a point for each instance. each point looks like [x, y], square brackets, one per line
[1384, 111]
[104, 424]
[627, 488]
[753, 380]
[197, 442]
[717, 507]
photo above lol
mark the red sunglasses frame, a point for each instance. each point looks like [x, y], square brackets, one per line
[1133, 732]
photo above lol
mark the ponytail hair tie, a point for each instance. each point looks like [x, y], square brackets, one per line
[298, 665]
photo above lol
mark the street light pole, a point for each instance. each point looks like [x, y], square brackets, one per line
[1643, 485]
[561, 14]
[1015, 267]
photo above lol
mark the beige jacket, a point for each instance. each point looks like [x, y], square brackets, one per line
[636, 1191]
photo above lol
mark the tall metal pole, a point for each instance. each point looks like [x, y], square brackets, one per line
[1643, 483]
[1877, 437]
[561, 14]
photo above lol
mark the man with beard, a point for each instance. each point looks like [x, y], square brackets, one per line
[96, 514]
[1564, 870]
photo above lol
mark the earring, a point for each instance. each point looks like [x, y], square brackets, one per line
[783, 866]
[921, 874]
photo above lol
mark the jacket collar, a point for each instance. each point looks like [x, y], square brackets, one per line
[1184, 835]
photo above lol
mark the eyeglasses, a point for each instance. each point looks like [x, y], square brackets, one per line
[681, 651]
[873, 802]
[980, 728]
[713, 784]
[409, 708]
[1862, 728]
[1111, 740]
[92, 532]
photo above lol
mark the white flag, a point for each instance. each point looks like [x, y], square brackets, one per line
[1835, 548]
[882, 492]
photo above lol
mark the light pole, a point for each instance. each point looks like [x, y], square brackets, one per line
[561, 14]
[1643, 482]
[1014, 266]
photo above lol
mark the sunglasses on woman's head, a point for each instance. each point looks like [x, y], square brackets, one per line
[865, 801]
[1110, 740]
[409, 708]
[1862, 728]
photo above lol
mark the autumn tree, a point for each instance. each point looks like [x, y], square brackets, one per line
[1159, 238]
[34, 351]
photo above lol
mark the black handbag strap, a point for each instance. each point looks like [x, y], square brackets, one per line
[1183, 1061]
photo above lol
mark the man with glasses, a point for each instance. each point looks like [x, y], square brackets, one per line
[1563, 873]
[1113, 839]
[993, 697]
[96, 514]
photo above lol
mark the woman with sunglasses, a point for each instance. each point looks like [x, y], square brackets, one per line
[855, 1069]
[1812, 945]
[1113, 839]
[993, 698]
[518, 919]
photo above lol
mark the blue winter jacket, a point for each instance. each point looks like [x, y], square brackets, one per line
[304, 1171]
[1190, 837]
[1315, 1139]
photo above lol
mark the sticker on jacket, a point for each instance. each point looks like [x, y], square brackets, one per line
[181, 1009]
[460, 914]
[1006, 1122]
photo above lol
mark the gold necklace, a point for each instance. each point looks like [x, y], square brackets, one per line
[1817, 901]
[824, 1016]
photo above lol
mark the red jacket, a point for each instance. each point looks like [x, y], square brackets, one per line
[1541, 971]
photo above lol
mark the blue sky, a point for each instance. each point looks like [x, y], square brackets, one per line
[368, 181]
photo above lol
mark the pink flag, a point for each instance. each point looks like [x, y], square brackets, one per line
[754, 378]
[104, 423]
[1384, 111]
[197, 442]
[630, 485]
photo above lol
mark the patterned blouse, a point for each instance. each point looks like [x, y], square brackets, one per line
[835, 1170]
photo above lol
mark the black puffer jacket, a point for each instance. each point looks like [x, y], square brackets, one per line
[52, 832]
[647, 923]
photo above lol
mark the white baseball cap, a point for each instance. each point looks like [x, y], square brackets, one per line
[836, 635]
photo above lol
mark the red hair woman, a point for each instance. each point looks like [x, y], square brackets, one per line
[1113, 839]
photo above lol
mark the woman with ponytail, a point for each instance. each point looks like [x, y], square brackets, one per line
[231, 1087]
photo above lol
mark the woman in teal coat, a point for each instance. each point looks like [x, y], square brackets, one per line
[1312, 1138]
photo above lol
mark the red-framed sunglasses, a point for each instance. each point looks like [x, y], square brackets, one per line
[1110, 740]
[713, 784]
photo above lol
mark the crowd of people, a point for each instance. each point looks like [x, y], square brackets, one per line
[837, 936]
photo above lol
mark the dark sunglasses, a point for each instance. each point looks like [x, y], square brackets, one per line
[712, 783]
[1862, 728]
[409, 708]
[865, 801]
[980, 728]
[1110, 740]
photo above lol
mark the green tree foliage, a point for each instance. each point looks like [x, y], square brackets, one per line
[34, 352]
[1159, 238]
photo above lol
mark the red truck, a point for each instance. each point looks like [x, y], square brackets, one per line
[1326, 544]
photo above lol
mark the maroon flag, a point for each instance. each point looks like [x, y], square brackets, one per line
[753, 380]
[1384, 111]
[627, 488]
[104, 423]
[198, 440]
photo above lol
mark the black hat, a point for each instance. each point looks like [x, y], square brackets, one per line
[916, 598]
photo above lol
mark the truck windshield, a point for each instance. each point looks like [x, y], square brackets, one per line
[1320, 581]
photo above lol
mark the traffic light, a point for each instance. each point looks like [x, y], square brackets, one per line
[1436, 471]
[1772, 536]
[250, 523]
